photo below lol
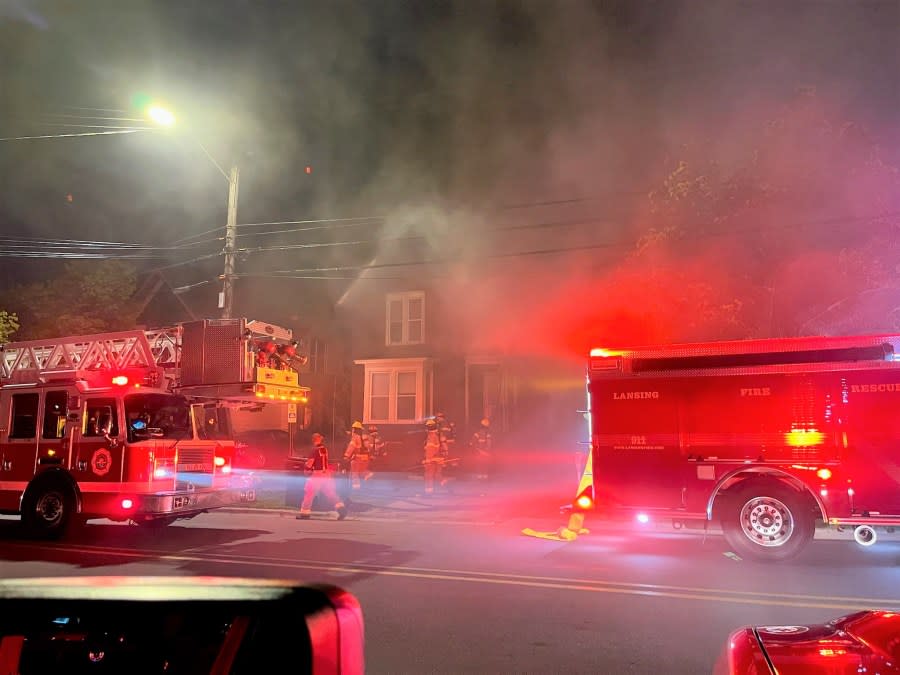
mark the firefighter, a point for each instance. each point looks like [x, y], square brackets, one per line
[319, 480]
[357, 453]
[376, 447]
[435, 454]
[482, 445]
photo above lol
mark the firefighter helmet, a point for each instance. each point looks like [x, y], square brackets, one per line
[485, 422]
[431, 424]
[357, 425]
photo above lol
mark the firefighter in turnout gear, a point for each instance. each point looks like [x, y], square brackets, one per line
[319, 480]
[435, 454]
[482, 445]
[375, 444]
[357, 454]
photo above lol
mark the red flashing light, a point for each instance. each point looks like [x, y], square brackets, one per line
[824, 474]
[584, 502]
[127, 504]
[120, 380]
[220, 461]
[643, 518]
[308, 170]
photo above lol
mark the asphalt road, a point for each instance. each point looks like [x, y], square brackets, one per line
[450, 585]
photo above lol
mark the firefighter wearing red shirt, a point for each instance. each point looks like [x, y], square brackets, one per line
[435, 454]
[319, 480]
[357, 453]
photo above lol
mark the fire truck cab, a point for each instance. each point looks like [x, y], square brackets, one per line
[764, 436]
[133, 426]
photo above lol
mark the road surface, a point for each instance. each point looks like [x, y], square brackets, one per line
[450, 585]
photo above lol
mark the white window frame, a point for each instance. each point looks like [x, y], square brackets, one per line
[393, 367]
[405, 299]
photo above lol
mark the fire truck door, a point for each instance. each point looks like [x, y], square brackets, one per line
[18, 445]
[54, 444]
[99, 446]
[639, 462]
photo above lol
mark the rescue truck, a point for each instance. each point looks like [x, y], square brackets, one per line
[134, 425]
[765, 437]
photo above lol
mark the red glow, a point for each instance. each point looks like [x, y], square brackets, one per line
[824, 474]
[308, 170]
[643, 518]
[584, 502]
[120, 380]
[127, 504]
[804, 438]
[220, 461]
[832, 652]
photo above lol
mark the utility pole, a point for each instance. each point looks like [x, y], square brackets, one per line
[227, 299]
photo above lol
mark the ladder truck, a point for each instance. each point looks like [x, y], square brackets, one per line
[134, 425]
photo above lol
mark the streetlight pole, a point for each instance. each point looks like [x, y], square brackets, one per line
[227, 300]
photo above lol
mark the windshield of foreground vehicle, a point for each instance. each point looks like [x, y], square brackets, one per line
[157, 416]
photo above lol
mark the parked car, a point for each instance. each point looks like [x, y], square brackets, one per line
[864, 642]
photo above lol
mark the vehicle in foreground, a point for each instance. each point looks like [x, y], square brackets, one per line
[178, 625]
[865, 642]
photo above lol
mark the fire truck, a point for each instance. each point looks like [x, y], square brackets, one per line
[765, 437]
[134, 425]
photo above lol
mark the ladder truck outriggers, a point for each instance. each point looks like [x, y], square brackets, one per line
[134, 425]
[764, 437]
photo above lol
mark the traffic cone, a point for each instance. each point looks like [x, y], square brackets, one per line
[575, 526]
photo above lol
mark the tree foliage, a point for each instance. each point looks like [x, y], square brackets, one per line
[800, 212]
[9, 324]
[88, 297]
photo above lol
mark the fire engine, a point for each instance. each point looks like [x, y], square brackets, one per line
[763, 436]
[133, 425]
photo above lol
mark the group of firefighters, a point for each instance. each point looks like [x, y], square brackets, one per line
[366, 445]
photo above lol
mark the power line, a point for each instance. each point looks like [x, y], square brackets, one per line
[86, 133]
[589, 247]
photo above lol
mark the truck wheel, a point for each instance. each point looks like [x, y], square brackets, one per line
[768, 522]
[47, 509]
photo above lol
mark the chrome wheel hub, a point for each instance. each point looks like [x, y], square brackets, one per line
[766, 521]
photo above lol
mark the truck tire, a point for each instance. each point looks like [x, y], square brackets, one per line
[768, 521]
[48, 508]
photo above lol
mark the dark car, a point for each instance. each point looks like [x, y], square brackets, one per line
[865, 642]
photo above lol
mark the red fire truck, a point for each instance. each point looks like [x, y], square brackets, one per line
[134, 425]
[763, 436]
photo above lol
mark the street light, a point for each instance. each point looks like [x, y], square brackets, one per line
[166, 118]
[161, 116]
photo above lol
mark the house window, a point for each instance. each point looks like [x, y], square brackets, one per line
[394, 390]
[405, 318]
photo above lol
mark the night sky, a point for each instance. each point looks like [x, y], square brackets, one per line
[429, 115]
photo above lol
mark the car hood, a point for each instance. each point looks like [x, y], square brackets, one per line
[865, 642]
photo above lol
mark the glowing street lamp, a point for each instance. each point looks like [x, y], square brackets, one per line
[161, 116]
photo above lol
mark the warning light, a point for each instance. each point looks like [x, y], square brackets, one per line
[605, 353]
[304, 399]
[127, 503]
[226, 469]
[804, 438]
[584, 502]
[643, 518]
[160, 473]
[824, 474]
[51, 452]
[120, 380]
[220, 461]
[308, 170]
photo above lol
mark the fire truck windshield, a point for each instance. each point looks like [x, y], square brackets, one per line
[157, 416]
